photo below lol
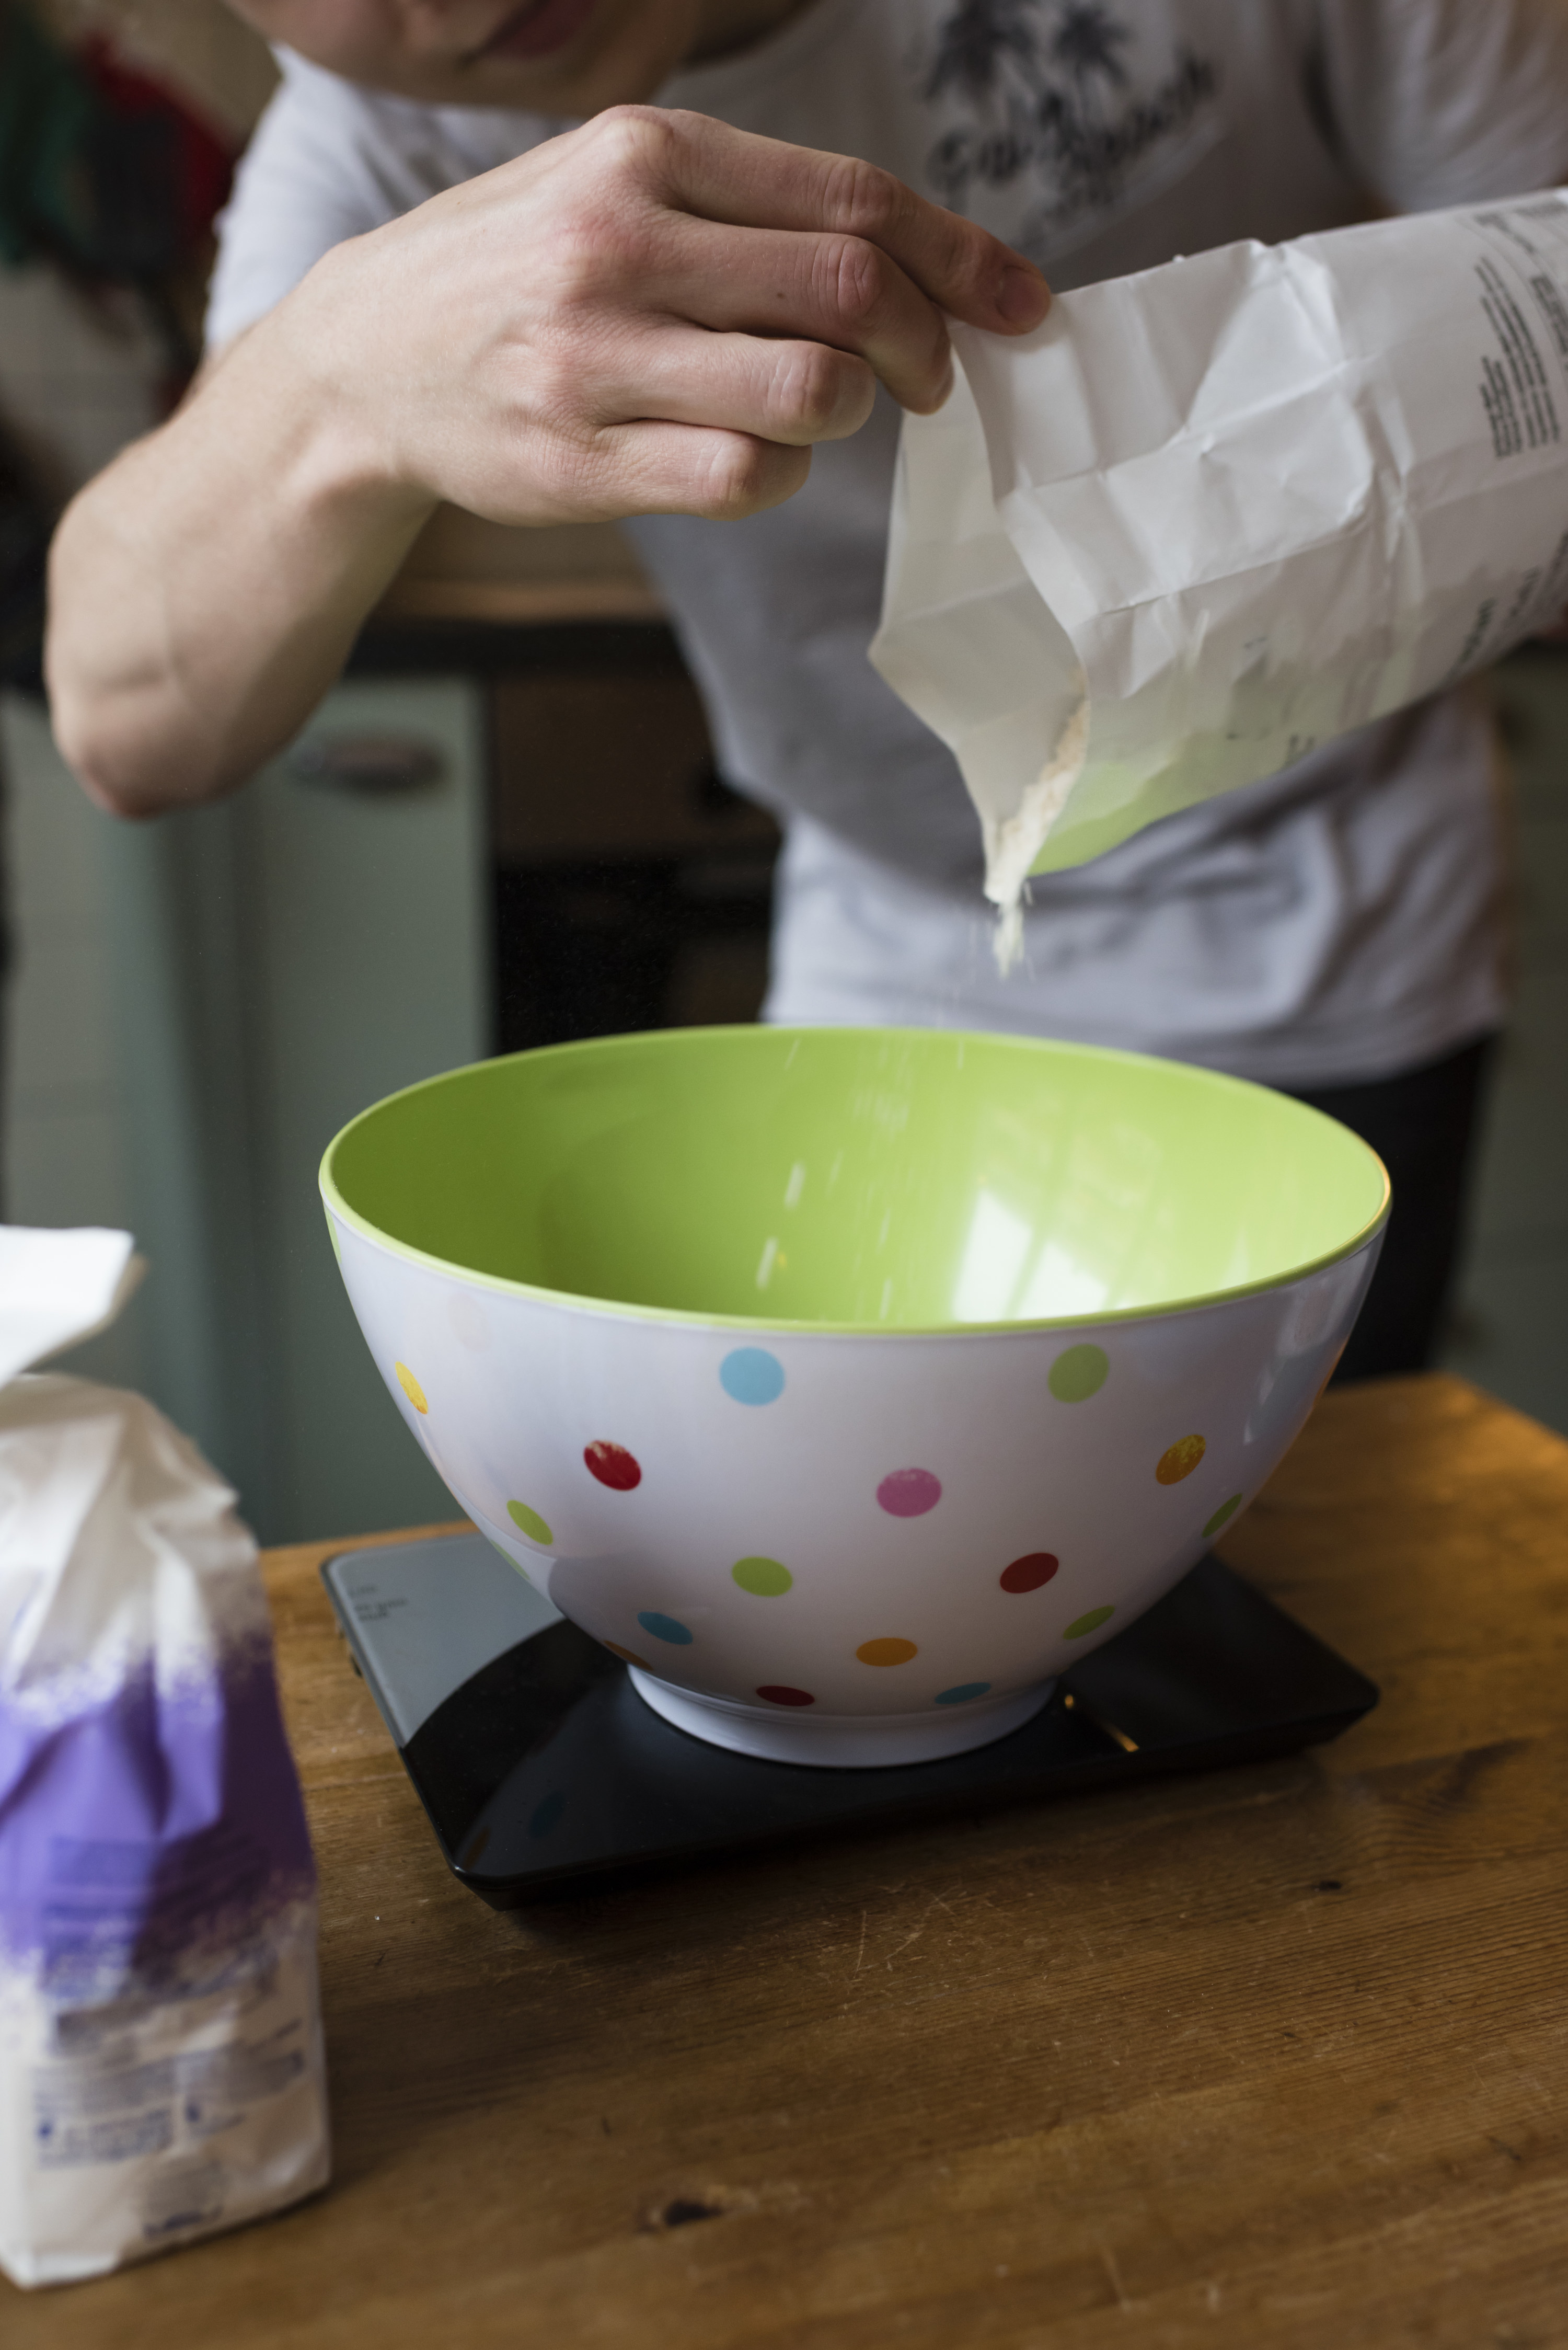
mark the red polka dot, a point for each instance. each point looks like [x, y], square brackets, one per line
[1029, 1574]
[614, 1466]
[910, 1493]
[776, 1694]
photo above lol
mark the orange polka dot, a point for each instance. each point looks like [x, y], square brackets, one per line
[886, 1652]
[628, 1655]
[410, 1387]
[1180, 1459]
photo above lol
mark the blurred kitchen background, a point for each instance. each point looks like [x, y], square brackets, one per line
[504, 828]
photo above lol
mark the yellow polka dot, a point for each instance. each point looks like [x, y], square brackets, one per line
[886, 1652]
[628, 1655]
[410, 1387]
[1180, 1460]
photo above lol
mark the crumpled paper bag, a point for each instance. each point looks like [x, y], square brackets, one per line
[1212, 515]
[161, 2061]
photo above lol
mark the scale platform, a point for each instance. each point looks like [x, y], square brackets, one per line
[540, 1766]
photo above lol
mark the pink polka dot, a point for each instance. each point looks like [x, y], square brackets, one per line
[778, 1694]
[910, 1493]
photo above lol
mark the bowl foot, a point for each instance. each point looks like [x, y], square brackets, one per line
[841, 1742]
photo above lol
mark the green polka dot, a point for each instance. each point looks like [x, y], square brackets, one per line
[763, 1576]
[1082, 1626]
[529, 1522]
[1078, 1374]
[1222, 1515]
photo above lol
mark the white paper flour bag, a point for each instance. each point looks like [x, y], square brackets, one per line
[161, 2061]
[1209, 516]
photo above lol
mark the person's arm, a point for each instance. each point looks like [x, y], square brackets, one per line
[653, 314]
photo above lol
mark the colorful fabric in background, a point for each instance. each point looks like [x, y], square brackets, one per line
[108, 176]
[106, 172]
[46, 113]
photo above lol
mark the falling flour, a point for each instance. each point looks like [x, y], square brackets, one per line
[1013, 843]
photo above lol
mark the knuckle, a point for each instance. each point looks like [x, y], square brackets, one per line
[864, 199]
[603, 252]
[739, 478]
[632, 137]
[861, 282]
[608, 232]
[808, 389]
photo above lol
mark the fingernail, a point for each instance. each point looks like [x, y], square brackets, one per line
[1023, 297]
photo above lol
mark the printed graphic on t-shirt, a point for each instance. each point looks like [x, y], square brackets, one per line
[1067, 94]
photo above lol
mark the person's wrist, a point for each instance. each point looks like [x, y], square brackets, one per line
[316, 372]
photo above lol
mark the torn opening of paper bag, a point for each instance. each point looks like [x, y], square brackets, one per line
[1210, 516]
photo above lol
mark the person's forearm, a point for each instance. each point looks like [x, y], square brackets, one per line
[205, 590]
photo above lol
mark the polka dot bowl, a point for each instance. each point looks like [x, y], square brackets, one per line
[848, 1383]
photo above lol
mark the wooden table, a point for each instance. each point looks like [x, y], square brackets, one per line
[1273, 2056]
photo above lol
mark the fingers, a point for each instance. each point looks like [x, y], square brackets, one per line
[730, 175]
[793, 392]
[835, 290]
[658, 468]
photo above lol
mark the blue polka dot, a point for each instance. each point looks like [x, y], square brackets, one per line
[665, 1627]
[963, 1693]
[751, 1375]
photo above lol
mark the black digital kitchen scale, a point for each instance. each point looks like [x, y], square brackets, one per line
[539, 1764]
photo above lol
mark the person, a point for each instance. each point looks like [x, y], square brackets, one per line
[683, 261]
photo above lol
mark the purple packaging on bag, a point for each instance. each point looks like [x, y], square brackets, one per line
[161, 2061]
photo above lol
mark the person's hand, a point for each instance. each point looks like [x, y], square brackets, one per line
[653, 314]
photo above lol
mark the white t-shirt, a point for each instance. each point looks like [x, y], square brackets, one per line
[1340, 921]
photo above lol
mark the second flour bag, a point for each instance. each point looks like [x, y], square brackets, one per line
[1212, 515]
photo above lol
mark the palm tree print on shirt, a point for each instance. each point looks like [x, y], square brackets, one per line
[1047, 87]
[980, 40]
[1088, 43]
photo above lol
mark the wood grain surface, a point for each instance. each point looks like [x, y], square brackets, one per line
[1277, 2056]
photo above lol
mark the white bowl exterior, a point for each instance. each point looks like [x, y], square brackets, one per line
[516, 1389]
[840, 1741]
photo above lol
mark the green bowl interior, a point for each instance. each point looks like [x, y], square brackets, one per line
[856, 1178]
